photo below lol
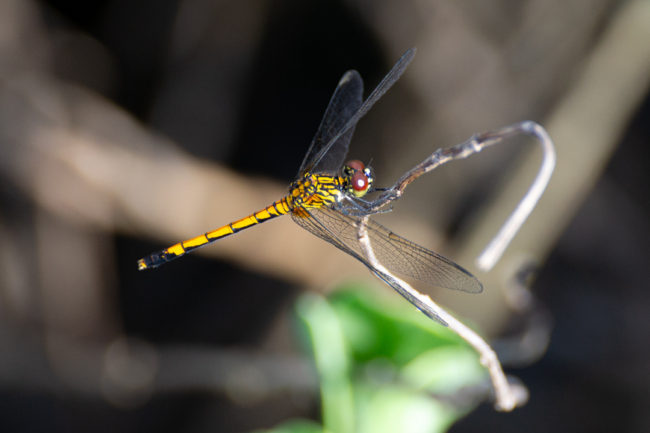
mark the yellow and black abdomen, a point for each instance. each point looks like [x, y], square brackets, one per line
[154, 260]
[311, 191]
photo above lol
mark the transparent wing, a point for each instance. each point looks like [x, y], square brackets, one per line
[313, 225]
[345, 102]
[397, 254]
[312, 161]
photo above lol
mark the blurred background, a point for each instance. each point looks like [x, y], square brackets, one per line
[128, 126]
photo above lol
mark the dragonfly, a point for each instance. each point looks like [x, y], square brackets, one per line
[329, 197]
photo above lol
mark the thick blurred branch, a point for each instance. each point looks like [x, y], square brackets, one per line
[88, 162]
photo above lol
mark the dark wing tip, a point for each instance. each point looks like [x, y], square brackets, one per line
[469, 284]
[473, 285]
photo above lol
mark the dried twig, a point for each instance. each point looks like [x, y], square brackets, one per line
[507, 396]
[478, 142]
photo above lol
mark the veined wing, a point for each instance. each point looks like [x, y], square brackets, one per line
[397, 254]
[345, 102]
[312, 164]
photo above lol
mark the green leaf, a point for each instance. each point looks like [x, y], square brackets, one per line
[384, 366]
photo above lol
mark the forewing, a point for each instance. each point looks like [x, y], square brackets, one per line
[345, 102]
[313, 163]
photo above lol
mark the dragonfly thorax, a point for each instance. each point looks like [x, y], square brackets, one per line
[314, 191]
[357, 178]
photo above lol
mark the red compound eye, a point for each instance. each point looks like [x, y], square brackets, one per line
[359, 181]
[355, 164]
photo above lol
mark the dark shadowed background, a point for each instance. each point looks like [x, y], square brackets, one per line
[128, 126]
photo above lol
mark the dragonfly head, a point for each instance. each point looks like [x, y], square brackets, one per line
[358, 178]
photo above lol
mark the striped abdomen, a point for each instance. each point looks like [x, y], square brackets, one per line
[154, 260]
